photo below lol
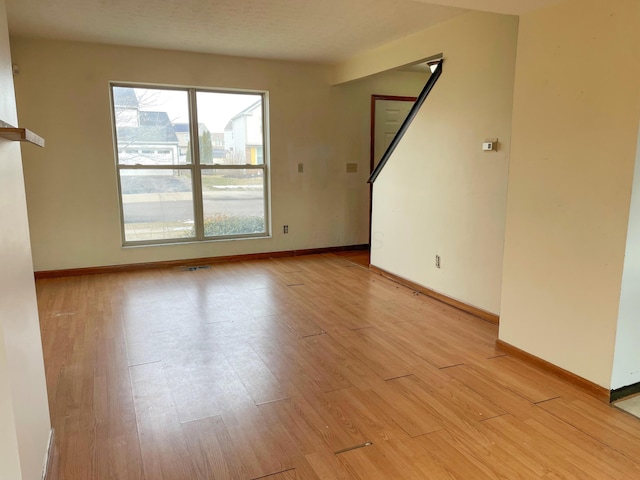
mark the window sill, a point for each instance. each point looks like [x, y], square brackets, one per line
[191, 242]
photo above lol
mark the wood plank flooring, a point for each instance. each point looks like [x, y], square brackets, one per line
[305, 368]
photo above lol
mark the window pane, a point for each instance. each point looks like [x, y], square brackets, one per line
[233, 201]
[230, 128]
[152, 126]
[157, 204]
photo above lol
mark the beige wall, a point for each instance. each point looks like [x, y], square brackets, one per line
[9, 452]
[414, 47]
[354, 99]
[512, 7]
[440, 193]
[24, 413]
[575, 127]
[62, 91]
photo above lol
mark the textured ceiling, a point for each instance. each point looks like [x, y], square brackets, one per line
[310, 30]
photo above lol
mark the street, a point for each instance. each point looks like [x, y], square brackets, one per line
[177, 207]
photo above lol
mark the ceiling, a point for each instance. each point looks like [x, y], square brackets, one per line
[325, 31]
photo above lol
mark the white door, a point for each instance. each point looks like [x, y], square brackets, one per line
[389, 115]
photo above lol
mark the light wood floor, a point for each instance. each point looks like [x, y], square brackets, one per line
[281, 369]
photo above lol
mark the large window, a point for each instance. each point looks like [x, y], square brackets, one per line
[191, 164]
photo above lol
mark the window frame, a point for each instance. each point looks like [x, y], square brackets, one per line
[194, 166]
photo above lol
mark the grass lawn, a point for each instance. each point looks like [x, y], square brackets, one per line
[213, 181]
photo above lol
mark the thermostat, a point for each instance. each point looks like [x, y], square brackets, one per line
[490, 145]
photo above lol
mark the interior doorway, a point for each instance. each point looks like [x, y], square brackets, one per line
[387, 114]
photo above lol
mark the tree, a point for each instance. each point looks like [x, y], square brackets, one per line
[206, 148]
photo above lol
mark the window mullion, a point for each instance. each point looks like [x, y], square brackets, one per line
[198, 208]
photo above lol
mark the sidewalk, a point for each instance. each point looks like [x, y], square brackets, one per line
[247, 192]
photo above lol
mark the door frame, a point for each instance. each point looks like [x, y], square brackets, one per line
[372, 144]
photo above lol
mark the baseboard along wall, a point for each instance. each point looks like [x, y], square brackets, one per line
[192, 262]
[475, 311]
[601, 393]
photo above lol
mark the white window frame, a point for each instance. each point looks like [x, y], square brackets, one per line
[195, 167]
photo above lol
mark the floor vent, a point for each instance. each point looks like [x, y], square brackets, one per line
[194, 268]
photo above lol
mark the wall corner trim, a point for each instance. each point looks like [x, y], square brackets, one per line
[593, 389]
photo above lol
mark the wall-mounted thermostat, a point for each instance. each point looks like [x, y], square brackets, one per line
[490, 145]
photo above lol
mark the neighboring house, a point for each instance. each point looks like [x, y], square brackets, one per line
[144, 137]
[182, 132]
[219, 152]
[217, 141]
[243, 136]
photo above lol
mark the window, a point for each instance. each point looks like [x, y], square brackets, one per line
[191, 164]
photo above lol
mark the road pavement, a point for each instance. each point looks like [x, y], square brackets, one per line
[178, 207]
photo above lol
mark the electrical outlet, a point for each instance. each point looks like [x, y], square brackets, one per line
[301, 167]
[437, 261]
[285, 229]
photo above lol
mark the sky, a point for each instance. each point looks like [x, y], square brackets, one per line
[214, 109]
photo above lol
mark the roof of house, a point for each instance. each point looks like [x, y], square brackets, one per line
[146, 134]
[183, 127]
[155, 127]
[124, 97]
[159, 119]
[247, 111]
